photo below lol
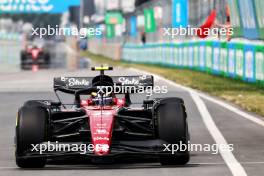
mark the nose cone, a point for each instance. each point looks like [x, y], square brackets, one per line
[35, 54]
[101, 141]
[101, 125]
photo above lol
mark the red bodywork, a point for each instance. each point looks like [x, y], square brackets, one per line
[101, 121]
[34, 52]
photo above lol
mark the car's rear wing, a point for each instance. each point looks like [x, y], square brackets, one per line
[77, 83]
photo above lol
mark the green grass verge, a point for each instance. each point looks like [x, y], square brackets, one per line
[248, 96]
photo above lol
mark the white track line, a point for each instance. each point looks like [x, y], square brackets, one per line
[234, 166]
[209, 98]
[232, 163]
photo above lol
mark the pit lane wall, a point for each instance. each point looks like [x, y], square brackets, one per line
[72, 53]
[111, 50]
[237, 60]
[10, 47]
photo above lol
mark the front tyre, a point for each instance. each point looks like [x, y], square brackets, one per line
[47, 62]
[31, 128]
[173, 129]
[23, 58]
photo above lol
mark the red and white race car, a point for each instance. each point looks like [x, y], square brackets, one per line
[34, 55]
[101, 126]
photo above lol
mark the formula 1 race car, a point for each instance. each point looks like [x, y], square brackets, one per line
[105, 120]
[34, 55]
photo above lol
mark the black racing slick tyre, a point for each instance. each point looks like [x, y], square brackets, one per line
[23, 58]
[173, 129]
[34, 103]
[31, 128]
[47, 60]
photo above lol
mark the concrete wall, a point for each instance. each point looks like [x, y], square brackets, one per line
[72, 51]
[111, 50]
[9, 55]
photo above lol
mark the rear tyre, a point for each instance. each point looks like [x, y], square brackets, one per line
[173, 129]
[47, 60]
[31, 128]
[23, 58]
[34, 103]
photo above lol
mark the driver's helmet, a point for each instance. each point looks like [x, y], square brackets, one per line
[102, 80]
[102, 99]
[105, 99]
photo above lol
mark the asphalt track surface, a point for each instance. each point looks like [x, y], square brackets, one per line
[209, 123]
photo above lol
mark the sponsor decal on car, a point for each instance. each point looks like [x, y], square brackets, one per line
[101, 131]
[125, 80]
[75, 82]
[101, 138]
[102, 147]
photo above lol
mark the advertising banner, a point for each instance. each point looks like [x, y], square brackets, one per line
[248, 19]
[133, 26]
[113, 18]
[170, 48]
[231, 60]
[259, 4]
[176, 54]
[180, 55]
[150, 23]
[202, 57]
[36, 6]
[208, 55]
[235, 60]
[162, 54]
[110, 30]
[167, 53]
[140, 21]
[216, 57]
[249, 65]
[154, 51]
[191, 55]
[185, 55]
[259, 64]
[239, 60]
[223, 58]
[179, 13]
[196, 55]
[160, 48]
[235, 18]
